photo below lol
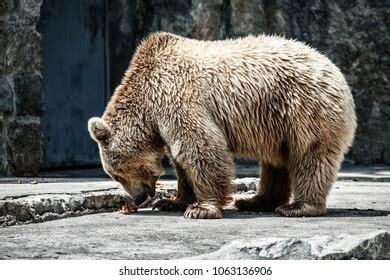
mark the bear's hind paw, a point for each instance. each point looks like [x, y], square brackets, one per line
[203, 211]
[301, 209]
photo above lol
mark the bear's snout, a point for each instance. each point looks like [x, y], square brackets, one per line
[145, 193]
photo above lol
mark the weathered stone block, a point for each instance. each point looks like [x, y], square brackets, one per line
[247, 17]
[122, 22]
[24, 147]
[208, 19]
[7, 6]
[20, 45]
[174, 17]
[2, 146]
[31, 7]
[28, 95]
[6, 95]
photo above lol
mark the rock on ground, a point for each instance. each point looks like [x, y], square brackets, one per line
[373, 246]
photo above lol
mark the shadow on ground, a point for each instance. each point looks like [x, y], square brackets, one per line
[234, 214]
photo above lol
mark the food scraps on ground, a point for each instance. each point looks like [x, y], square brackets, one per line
[128, 209]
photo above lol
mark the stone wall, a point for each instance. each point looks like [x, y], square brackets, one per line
[21, 96]
[122, 37]
[354, 34]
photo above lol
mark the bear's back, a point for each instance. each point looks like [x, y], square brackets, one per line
[265, 89]
[268, 89]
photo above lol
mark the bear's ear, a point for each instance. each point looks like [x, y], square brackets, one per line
[98, 129]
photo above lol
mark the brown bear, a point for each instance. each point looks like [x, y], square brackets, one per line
[262, 97]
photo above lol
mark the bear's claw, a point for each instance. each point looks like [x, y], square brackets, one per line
[203, 211]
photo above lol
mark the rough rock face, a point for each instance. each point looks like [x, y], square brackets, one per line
[374, 246]
[41, 208]
[21, 96]
[121, 33]
[354, 34]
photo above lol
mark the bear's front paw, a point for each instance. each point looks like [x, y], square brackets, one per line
[300, 209]
[203, 211]
[168, 205]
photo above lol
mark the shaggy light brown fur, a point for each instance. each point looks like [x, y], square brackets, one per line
[265, 98]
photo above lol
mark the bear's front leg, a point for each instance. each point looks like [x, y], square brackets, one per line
[185, 193]
[198, 145]
[210, 173]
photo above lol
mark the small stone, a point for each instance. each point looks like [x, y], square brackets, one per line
[241, 187]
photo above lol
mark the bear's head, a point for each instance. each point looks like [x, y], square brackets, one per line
[129, 157]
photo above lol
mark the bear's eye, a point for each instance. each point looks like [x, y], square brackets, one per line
[118, 179]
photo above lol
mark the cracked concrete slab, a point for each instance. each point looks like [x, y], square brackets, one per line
[358, 204]
[27, 203]
[50, 201]
[156, 235]
[353, 208]
[39, 202]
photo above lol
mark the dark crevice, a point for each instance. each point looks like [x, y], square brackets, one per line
[226, 16]
[42, 194]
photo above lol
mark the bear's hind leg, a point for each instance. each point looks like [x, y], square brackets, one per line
[274, 191]
[185, 193]
[311, 178]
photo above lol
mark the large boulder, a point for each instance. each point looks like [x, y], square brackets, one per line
[373, 246]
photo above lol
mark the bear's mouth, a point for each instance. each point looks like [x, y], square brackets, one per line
[146, 195]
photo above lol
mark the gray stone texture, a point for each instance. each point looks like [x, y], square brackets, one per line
[42, 200]
[21, 95]
[6, 95]
[2, 147]
[20, 49]
[28, 95]
[24, 147]
[121, 38]
[372, 246]
[6, 6]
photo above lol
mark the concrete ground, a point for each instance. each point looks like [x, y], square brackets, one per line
[358, 203]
